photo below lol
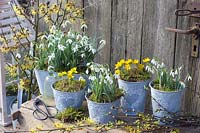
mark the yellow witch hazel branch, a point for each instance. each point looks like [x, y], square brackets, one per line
[132, 70]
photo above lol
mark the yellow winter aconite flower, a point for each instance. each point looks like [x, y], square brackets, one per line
[64, 73]
[60, 74]
[135, 61]
[70, 75]
[127, 67]
[74, 70]
[140, 66]
[117, 72]
[129, 61]
[58, 125]
[145, 60]
[12, 70]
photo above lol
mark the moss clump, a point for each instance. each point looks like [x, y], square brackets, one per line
[104, 97]
[67, 85]
[135, 75]
[70, 115]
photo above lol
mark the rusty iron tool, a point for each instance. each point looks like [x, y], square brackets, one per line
[186, 12]
[194, 30]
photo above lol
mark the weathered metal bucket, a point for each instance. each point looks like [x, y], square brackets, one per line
[102, 112]
[134, 99]
[164, 103]
[69, 99]
[40, 76]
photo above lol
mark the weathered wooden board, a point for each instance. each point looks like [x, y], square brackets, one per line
[98, 17]
[119, 30]
[134, 28]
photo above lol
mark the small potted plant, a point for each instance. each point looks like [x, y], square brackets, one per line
[69, 90]
[62, 51]
[166, 90]
[132, 78]
[104, 99]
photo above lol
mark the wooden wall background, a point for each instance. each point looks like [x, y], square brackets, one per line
[136, 29]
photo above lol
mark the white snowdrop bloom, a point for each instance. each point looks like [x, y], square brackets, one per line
[78, 37]
[161, 73]
[87, 71]
[81, 78]
[82, 55]
[162, 65]
[92, 78]
[69, 41]
[105, 81]
[189, 78]
[83, 26]
[182, 84]
[180, 68]
[50, 44]
[61, 47]
[93, 51]
[110, 80]
[176, 72]
[154, 62]
[18, 55]
[52, 56]
[41, 45]
[102, 42]
[96, 69]
[172, 73]
[64, 25]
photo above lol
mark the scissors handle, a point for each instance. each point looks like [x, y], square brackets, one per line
[38, 110]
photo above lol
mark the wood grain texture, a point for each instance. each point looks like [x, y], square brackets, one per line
[119, 30]
[98, 16]
[150, 25]
[164, 45]
[134, 29]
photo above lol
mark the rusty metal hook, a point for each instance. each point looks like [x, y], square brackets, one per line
[186, 12]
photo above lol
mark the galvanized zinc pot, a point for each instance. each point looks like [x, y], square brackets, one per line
[102, 112]
[40, 76]
[134, 99]
[164, 102]
[68, 99]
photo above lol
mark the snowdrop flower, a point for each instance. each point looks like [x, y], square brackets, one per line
[52, 56]
[50, 44]
[61, 47]
[87, 71]
[64, 25]
[69, 41]
[162, 65]
[109, 79]
[189, 78]
[83, 26]
[176, 72]
[154, 62]
[82, 55]
[172, 73]
[53, 29]
[18, 55]
[92, 78]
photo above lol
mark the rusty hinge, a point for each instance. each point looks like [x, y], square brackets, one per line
[192, 10]
[195, 47]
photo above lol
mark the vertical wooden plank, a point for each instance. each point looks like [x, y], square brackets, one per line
[98, 16]
[150, 24]
[182, 51]
[119, 30]
[164, 45]
[4, 119]
[134, 30]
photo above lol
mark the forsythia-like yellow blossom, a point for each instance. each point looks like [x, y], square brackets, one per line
[117, 72]
[135, 61]
[59, 125]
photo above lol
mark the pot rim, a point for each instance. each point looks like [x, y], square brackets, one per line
[144, 81]
[161, 91]
[86, 97]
